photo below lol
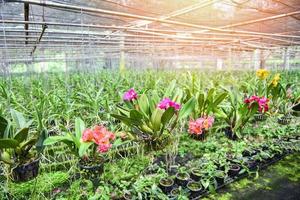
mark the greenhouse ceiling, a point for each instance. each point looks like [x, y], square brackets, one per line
[99, 27]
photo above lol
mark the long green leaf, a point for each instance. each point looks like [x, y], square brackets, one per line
[144, 104]
[18, 118]
[22, 135]
[187, 108]
[84, 147]
[156, 119]
[167, 116]
[79, 127]
[8, 143]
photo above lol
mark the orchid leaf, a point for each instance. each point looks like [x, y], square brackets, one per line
[187, 108]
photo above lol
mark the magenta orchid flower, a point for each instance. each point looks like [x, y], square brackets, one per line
[262, 103]
[130, 95]
[166, 103]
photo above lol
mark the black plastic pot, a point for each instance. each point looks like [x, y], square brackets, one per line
[260, 117]
[91, 171]
[220, 180]
[251, 164]
[182, 179]
[230, 134]
[26, 172]
[296, 110]
[166, 184]
[174, 193]
[234, 170]
[195, 189]
[200, 137]
[196, 174]
[284, 120]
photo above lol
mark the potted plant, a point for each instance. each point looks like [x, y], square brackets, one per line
[182, 177]
[89, 145]
[195, 188]
[20, 147]
[263, 106]
[152, 121]
[234, 170]
[236, 114]
[198, 128]
[196, 174]
[166, 184]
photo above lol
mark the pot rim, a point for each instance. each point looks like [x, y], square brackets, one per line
[194, 190]
[160, 181]
[188, 176]
[37, 160]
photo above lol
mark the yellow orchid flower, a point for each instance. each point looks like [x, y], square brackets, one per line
[262, 74]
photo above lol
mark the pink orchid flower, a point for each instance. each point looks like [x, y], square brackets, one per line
[130, 95]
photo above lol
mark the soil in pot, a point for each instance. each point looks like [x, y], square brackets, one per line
[196, 174]
[230, 134]
[182, 178]
[166, 184]
[26, 172]
[234, 170]
[195, 188]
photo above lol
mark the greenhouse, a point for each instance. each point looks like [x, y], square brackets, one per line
[149, 99]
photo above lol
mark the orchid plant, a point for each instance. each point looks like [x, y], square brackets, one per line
[85, 143]
[200, 125]
[238, 112]
[150, 118]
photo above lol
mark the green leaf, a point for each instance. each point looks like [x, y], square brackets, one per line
[170, 89]
[22, 135]
[79, 127]
[167, 116]
[187, 108]
[156, 119]
[8, 143]
[144, 104]
[136, 115]
[84, 147]
[55, 139]
[40, 143]
[128, 121]
[210, 94]
[18, 118]
[220, 98]
[3, 126]
[200, 101]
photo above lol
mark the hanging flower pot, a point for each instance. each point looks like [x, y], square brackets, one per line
[26, 172]
[166, 184]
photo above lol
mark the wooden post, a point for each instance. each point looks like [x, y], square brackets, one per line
[26, 18]
[286, 58]
[262, 63]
